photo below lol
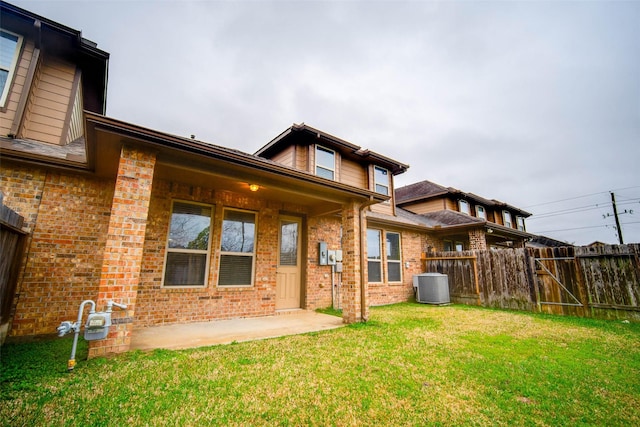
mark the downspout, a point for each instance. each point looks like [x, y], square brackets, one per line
[363, 237]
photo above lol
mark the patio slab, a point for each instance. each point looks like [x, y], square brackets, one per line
[190, 335]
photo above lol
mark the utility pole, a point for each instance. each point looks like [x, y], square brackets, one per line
[615, 214]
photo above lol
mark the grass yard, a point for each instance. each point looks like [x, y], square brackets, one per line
[410, 365]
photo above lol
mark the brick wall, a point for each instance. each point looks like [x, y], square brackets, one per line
[477, 240]
[68, 216]
[157, 305]
[321, 229]
[389, 293]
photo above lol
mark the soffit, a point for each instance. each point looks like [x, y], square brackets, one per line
[199, 164]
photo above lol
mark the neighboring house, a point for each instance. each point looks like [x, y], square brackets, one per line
[464, 220]
[181, 230]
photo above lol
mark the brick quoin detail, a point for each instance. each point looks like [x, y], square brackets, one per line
[124, 247]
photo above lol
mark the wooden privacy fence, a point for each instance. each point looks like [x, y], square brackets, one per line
[11, 249]
[581, 281]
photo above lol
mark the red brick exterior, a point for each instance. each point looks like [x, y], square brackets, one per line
[123, 253]
[68, 216]
[477, 240]
[99, 239]
[351, 281]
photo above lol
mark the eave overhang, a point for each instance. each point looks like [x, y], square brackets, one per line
[197, 163]
[304, 134]
[64, 42]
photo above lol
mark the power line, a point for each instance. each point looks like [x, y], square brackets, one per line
[583, 228]
[576, 210]
[580, 197]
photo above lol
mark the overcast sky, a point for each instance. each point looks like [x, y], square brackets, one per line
[524, 102]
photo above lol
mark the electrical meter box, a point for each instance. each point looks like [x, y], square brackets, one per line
[332, 258]
[97, 326]
[322, 253]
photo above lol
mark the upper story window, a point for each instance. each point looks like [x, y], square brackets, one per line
[237, 248]
[506, 217]
[10, 45]
[463, 206]
[520, 222]
[188, 245]
[381, 178]
[325, 162]
[480, 212]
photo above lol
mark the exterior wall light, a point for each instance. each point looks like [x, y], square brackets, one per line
[254, 187]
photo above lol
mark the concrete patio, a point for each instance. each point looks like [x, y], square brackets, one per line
[190, 335]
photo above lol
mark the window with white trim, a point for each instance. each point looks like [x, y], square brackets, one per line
[237, 248]
[10, 45]
[506, 217]
[459, 246]
[480, 212]
[381, 179]
[325, 162]
[394, 259]
[520, 222]
[374, 256]
[188, 245]
[463, 206]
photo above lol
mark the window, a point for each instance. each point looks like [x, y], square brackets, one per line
[325, 162]
[506, 216]
[463, 206]
[520, 222]
[480, 212]
[237, 248]
[374, 256]
[381, 178]
[459, 246]
[394, 265]
[448, 246]
[10, 45]
[188, 245]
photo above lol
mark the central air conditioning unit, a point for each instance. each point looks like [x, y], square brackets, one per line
[431, 288]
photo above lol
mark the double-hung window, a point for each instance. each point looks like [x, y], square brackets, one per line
[188, 246]
[237, 248]
[520, 222]
[394, 264]
[506, 217]
[10, 45]
[325, 162]
[480, 212]
[381, 178]
[463, 206]
[374, 256]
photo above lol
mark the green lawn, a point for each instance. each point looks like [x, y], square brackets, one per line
[410, 365]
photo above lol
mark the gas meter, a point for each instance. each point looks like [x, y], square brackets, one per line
[97, 326]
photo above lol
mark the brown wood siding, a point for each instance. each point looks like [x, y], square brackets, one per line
[47, 109]
[8, 114]
[426, 207]
[451, 205]
[384, 208]
[286, 157]
[352, 173]
[302, 158]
